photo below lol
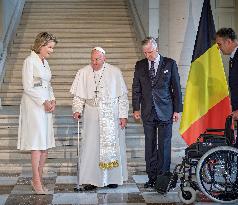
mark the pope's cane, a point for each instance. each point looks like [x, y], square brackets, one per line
[77, 186]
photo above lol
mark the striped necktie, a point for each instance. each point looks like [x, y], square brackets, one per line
[152, 70]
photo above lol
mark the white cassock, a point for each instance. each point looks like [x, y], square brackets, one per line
[103, 140]
[35, 130]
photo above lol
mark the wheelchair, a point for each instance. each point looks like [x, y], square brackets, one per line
[209, 166]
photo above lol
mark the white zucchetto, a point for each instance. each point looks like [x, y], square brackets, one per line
[99, 49]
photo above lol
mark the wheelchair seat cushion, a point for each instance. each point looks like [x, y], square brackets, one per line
[198, 149]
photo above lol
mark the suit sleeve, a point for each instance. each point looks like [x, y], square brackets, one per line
[28, 85]
[176, 89]
[136, 90]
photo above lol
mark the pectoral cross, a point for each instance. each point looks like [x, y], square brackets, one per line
[96, 97]
[96, 92]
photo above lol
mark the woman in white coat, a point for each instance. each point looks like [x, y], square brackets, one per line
[35, 131]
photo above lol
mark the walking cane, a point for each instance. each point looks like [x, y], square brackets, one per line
[77, 189]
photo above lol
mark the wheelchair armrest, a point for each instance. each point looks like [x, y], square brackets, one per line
[210, 137]
[214, 130]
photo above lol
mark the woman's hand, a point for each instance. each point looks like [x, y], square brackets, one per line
[53, 104]
[49, 105]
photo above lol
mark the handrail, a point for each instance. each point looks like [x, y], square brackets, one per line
[10, 33]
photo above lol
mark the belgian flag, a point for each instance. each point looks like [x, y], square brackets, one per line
[206, 102]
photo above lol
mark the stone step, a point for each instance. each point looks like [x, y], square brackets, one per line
[18, 86]
[73, 1]
[63, 121]
[55, 91]
[97, 15]
[47, 26]
[66, 121]
[79, 5]
[27, 18]
[66, 152]
[57, 88]
[77, 20]
[12, 66]
[72, 73]
[59, 118]
[56, 66]
[64, 129]
[13, 102]
[132, 139]
[58, 79]
[80, 11]
[62, 7]
[88, 45]
[62, 115]
[60, 101]
[64, 88]
[8, 143]
[55, 55]
[26, 40]
[26, 51]
[81, 34]
[57, 75]
[11, 94]
[59, 166]
[78, 61]
[74, 30]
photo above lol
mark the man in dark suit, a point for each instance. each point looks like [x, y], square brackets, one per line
[226, 39]
[157, 99]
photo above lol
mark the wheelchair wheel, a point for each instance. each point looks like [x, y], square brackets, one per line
[217, 174]
[187, 195]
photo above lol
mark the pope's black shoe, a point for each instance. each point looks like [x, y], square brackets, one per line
[88, 187]
[112, 186]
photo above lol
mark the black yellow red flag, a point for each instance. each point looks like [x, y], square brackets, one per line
[206, 102]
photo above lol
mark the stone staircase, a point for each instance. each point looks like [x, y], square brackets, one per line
[62, 158]
[79, 25]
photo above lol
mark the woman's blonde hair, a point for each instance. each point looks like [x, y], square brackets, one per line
[42, 39]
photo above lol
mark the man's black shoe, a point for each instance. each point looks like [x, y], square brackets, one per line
[88, 187]
[112, 186]
[149, 184]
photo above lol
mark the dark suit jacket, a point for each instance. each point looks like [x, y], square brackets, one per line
[165, 94]
[233, 81]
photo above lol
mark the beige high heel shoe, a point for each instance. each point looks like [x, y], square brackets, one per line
[38, 191]
[45, 189]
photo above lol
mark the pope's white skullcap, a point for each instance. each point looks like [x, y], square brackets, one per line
[99, 49]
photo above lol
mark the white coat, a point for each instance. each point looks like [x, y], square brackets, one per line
[35, 130]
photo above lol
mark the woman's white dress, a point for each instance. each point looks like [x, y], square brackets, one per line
[35, 130]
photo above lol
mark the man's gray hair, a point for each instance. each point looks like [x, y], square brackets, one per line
[149, 40]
